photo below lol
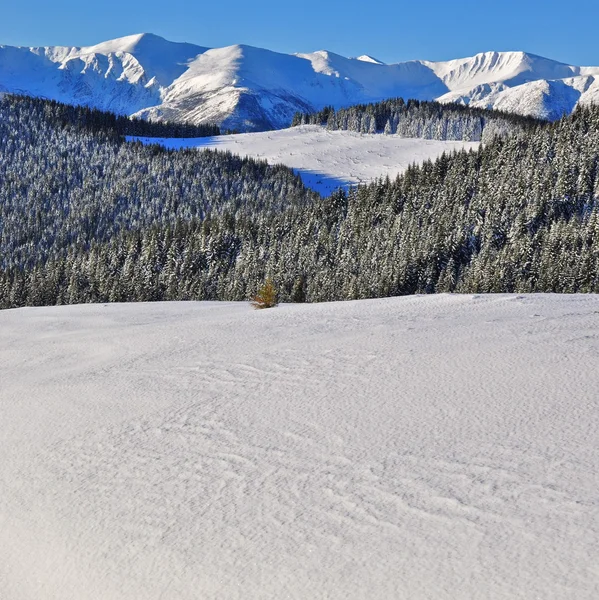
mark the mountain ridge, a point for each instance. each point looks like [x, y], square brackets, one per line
[247, 88]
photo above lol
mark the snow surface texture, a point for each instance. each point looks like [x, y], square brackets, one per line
[325, 160]
[434, 447]
[246, 88]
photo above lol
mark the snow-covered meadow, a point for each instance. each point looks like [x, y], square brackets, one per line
[434, 447]
[326, 160]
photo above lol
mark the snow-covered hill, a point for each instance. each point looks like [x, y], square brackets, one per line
[422, 447]
[326, 160]
[246, 88]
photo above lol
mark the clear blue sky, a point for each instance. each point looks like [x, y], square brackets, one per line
[391, 30]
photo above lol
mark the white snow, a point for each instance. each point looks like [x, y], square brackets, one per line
[435, 447]
[370, 59]
[325, 159]
[511, 68]
[247, 88]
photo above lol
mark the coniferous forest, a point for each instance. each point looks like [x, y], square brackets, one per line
[91, 119]
[419, 119]
[87, 217]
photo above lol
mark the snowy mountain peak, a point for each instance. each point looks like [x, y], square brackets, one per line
[248, 88]
[142, 42]
[369, 59]
[498, 67]
[127, 43]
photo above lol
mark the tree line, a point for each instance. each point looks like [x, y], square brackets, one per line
[98, 121]
[419, 119]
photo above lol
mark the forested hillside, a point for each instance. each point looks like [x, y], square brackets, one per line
[87, 218]
[67, 182]
[66, 116]
[415, 119]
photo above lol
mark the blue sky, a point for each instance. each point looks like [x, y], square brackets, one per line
[391, 30]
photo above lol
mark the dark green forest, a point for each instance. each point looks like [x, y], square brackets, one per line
[110, 124]
[88, 217]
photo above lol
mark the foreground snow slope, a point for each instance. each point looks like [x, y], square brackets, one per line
[325, 159]
[245, 88]
[425, 447]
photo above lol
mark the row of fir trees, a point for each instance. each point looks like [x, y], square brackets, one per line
[419, 119]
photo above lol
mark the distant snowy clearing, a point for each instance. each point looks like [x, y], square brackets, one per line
[326, 159]
[435, 447]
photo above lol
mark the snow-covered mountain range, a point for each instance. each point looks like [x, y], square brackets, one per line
[247, 88]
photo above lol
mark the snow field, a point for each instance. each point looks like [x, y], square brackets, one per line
[325, 160]
[425, 447]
